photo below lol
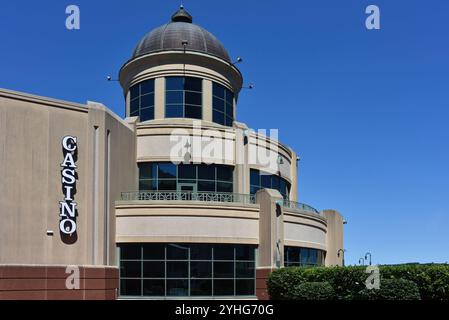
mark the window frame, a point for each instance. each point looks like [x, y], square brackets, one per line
[149, 174]
[138, 112]
[306, 257]
[236, 276]
[228, 104]
[272, 178]
[186, 107]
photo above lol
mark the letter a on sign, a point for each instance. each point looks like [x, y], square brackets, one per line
[373, 20]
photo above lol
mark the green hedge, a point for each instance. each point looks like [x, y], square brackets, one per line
[392, 289]
[348, 283]
[313, 291]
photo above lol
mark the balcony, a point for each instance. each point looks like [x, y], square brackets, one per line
[219, 197]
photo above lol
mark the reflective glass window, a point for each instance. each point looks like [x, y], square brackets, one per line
[222, 105]
[260, 180]
[142, 100]
[183, 97]
[182, 269]
[166, 176]
[306, 257]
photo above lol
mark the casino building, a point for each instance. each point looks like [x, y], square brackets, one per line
[178, 199]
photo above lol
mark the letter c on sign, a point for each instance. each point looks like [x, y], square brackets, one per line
[69, 143]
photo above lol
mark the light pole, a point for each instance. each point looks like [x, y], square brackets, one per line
[366, 257]
[342, 252]
[361, 262]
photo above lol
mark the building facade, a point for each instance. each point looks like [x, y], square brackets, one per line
[178, 199]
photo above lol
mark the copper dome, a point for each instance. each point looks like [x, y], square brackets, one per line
[181, 34]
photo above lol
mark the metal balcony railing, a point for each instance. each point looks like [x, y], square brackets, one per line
[206, 197]
[188, 196]
[300, 206]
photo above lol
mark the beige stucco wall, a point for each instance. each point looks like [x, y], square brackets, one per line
[269, 155]
[304, 230]
[271, 229]
[186, 221]
[31, 130]
[334, 237]
[164, 146]
[116, 172]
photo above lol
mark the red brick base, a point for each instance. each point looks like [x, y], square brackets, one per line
[261, 283]
[41, 282]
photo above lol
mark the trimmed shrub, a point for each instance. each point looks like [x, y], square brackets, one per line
[281, 283]
[392, 289]
[432, 279]
[313, 291]
[348, 283]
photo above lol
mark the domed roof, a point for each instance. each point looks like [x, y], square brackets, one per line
[181, 34]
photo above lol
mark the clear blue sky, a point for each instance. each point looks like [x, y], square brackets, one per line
[367, 111]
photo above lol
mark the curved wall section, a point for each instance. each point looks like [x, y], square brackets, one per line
[178, 221]
[178, 63]
[207, 144]
[270, 156]
[304, 230]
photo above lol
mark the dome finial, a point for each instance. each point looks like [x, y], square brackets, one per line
[181, 15]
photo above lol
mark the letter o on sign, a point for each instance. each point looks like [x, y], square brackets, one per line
[67, 226]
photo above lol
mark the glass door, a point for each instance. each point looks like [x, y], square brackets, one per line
[187, 191]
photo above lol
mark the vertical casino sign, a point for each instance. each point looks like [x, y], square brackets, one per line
[68, 206]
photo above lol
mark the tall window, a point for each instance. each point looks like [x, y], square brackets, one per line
[142, 100]
[166, 176]
[261, 180]
[183, 97]
[177, 269]
[303, 257]
[222, 105]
